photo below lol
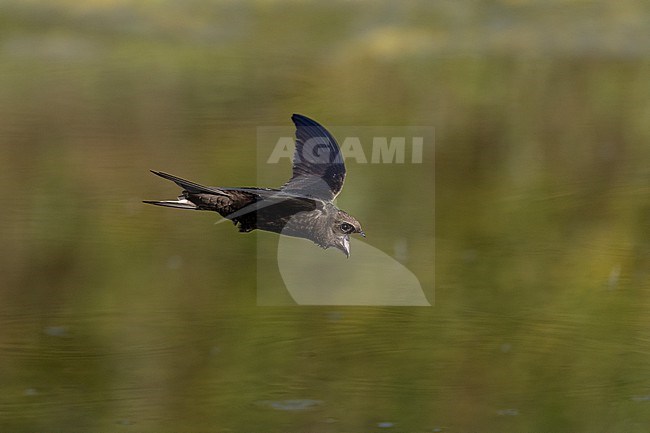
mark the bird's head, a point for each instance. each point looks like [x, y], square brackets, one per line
[344, 225]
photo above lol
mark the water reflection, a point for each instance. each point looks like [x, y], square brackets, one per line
[291, 405]
[115, 316]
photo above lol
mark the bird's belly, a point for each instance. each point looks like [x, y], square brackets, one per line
[297, 225]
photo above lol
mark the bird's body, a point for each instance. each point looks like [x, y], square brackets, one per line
[301, 208]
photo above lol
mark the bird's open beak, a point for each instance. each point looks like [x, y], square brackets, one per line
[346, 246]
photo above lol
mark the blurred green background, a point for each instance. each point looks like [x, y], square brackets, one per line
[115, 316]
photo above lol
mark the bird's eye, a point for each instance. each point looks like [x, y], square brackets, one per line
[347, 228]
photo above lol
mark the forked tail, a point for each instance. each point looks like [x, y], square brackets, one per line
[187, 185]
[182, 202]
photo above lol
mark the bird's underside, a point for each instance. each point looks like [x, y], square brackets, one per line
[264, 209]
[267, 209]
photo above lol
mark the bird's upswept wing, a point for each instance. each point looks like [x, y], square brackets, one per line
[318, 167]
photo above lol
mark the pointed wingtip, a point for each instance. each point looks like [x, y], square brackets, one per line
[302, 120]
[297, 118]
[157, 173]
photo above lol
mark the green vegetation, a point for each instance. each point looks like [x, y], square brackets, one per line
[116, 315]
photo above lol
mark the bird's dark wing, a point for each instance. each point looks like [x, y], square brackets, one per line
[277, 201]
[233, 202]
[318, 167]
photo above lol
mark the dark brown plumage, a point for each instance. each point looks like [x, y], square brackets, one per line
[302, 207]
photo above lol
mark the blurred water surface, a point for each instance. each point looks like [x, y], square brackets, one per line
[119, 316]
